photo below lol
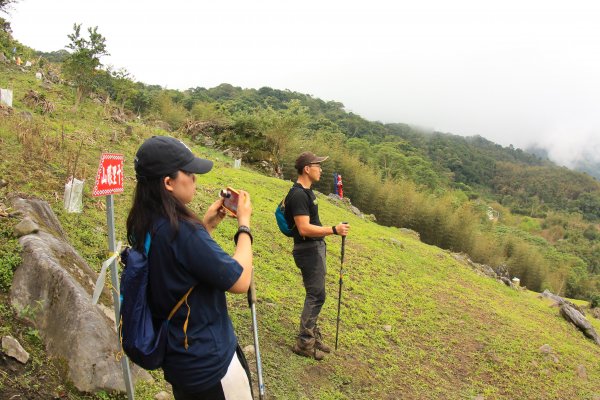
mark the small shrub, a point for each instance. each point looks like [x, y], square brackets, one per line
[595, 301]
[10, 256]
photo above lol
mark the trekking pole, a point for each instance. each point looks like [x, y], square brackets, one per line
[337, 329]
[252, 304]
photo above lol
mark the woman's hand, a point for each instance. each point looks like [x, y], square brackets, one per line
[244, 208]
[243, 249]
[214, 215]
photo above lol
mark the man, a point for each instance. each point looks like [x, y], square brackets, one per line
[309, 251]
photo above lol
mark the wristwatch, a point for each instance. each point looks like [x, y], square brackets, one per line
[243, 229]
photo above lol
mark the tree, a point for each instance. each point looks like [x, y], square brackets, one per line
[123, 87]
[81, 66]
[5, 3]
[282, 129]
[5, 29]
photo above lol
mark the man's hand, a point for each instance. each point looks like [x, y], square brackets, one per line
[342, 229]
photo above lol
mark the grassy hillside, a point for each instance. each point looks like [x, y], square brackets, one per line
[416, 324]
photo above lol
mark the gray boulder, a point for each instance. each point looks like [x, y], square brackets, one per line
[410, 232]
[26, 227]
[12, 348]
[52, 288]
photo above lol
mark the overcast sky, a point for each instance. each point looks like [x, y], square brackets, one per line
[515, 72]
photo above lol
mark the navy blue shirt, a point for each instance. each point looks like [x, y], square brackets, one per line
[193, 258]
[300, 201]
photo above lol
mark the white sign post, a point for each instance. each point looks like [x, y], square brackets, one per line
[109, 181]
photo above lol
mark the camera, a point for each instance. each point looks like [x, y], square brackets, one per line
[231, 197]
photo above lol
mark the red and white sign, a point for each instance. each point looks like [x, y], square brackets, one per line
[109, 179]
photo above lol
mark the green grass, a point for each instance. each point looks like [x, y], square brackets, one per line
[454, 334]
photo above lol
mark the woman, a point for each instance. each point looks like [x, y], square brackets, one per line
[202, 361]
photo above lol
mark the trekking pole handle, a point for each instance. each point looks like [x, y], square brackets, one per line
[343, 245]
[252, 292]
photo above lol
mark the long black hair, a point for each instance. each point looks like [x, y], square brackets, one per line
[152, 200]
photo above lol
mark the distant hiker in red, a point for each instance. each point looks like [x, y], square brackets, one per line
[340, 190]
[310, 252]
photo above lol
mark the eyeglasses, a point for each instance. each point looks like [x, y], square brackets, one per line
[316, 165]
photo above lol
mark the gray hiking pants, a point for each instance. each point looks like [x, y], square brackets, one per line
[310, 258]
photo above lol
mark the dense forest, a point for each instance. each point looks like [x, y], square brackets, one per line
[503, 206]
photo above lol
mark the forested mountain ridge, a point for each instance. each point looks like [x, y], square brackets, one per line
[509, 174]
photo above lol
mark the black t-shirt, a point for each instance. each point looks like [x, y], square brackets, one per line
[193, 258]
[300, 201]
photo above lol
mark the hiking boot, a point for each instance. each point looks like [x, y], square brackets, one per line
[319, 342]
[312, 352]
[322, 346]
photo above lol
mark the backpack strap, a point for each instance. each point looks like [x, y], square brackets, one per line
[174, 310]
[289, 193]
[180, 302]
[147, 243]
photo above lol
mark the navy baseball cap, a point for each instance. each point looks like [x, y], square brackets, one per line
[162, 155]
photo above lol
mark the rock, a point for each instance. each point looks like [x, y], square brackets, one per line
[162, 396]
[546, 293]
[507, 282]
[502, 271]
[54, 280]
[370, 217]
[574, 316]
[12, 348]
[249, 350]
[53, 77]
[547, 351]
[26, 115]
[387, 328]
[410, 232]
[26, 227]
[3, 183]
[162, 125]
[3, 57]
[581, 372]
[595, 312]
[356, 211]
[479, 397]
[560, 301]
[128, 130]
[396, 242]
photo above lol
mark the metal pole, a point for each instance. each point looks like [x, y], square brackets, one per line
[114, 275]
[337, 329]
[252, 304]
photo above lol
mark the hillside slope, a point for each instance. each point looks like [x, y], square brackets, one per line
[416, 324]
